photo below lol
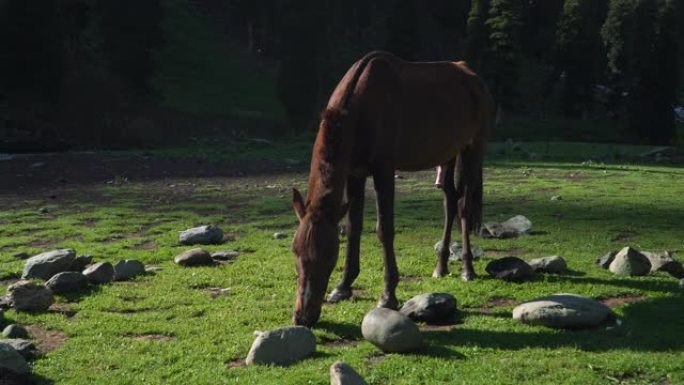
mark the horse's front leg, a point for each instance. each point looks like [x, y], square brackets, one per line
[450, 208]
[384, 189]
[355, 195]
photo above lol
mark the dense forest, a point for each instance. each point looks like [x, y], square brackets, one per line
[102, 73]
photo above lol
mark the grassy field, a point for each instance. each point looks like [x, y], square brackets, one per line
[170, 327]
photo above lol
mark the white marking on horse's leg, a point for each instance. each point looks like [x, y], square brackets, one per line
[439, 182]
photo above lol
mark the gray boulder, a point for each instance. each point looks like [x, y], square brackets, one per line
[511, 269]
[15, 331]
[664, 262]
[11, 360]
[67, 282]
[629, 261]
[391, 331]
[225, 255]
[194, 257]
[519, 223]
[127, 269]
[553, 265]
[81, 262]
[202, 235]
[510, 228]
[99, 273]
[566, 311]
[456, 251]
[27, 296]
[26, 348]
[605, 261]
[45, 265]
[282, 346]
[431, 308]
[343, 374]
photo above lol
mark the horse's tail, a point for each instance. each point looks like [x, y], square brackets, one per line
[469, 164]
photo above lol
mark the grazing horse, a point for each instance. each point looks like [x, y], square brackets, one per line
[388, 114]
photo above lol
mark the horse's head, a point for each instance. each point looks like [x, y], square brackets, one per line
[316, 246]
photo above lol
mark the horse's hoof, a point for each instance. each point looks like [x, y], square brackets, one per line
[439, 273]
[389, 303]
[338, 295]
[468, 275]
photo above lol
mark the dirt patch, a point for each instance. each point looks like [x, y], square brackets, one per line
[437, 328]
[215, 292]
[236, 363]
[546, 190]
[623, 236]
[410, 278]
[515, 252]
[375, 358]
[575, 176]
[153, 337]
[622, 300]
[63, 308]
[46, 340]
[151, 245]
[8, 281]
[129, 311]
[496, 302]
[339, 343]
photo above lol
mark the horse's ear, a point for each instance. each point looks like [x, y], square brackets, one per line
[343, 211]
[298, 204]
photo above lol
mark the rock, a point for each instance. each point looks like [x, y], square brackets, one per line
[153, 269]
[43, 210]
[67, 282]
[27, 296]
[556, 198]
[567, 311]
[391, 331]
[15, 331]
[11, 360]
[553, 264]
[127, 269]
[343, 374]
[510, 269]
[512, 227]
[81, 262]
[282, 346]
[45, 265]
[455, 251]
[279, 236]
[194, 257]
[99, 273]
[22, 255]
[681, 283]
[202, 235]
[629, 261]
[224, 255]
[26, 348]
[431, 308]
[606, 260]
[664, 262]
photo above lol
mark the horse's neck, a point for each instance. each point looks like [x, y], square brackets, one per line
[329, 167]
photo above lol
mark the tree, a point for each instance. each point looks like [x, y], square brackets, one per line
[477, 40]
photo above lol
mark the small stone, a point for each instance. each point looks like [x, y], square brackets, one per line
[26, 348]
[629, 261]
[553, 265]
[194, 257]
[664, 262]
[81, 262]
[11, 360]
[343, 374]
[225, 255]
[431, 308]
[202, 235]
[43, 210]
[28, 296]
[606, 260]
[567, 311]
[519, 223]
[99, 273]
[127, 269]
[556, 198]
[391, 331]
[67, 282]
[512, 227]
[15, 331]
[282, 346]
[153, 269]
[681, 283]
[45, 265]
[510, 269]
[279, 236]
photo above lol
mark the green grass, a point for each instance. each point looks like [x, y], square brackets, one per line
[603, 199]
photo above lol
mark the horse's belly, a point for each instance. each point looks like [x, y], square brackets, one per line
[420, 150]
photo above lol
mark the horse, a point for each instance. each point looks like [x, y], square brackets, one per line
[387, 114]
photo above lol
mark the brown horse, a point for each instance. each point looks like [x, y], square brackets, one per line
[387, 114]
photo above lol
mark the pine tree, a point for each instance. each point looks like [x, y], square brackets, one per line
[501, 68]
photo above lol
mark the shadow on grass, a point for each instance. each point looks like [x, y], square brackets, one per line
[653, 326]
[344, 330]
[669, 286]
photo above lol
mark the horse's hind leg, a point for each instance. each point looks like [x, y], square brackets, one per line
[468, 273]
[384, 188]
[450, 208]
[355, 195]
